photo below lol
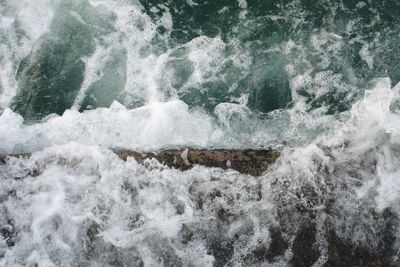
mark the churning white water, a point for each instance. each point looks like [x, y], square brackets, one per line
[75, 203]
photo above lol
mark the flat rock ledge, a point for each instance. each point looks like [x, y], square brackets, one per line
[252, 162]
[246, 161]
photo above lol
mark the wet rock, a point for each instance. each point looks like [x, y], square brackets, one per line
[8, 233]
[248, 161]
[295, 239]
[98, 251]
[4, 157]
[342, 253]
[305, 249]
[215, 237]
[277, 246]
[253, 162]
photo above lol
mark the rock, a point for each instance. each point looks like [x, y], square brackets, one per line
[7, 231]
[305, 249]
[253, 162]
[248, 161]
[3, 157]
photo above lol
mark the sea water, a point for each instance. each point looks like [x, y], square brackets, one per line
[315, 80]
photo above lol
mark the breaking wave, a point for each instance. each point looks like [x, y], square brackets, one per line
[315, 80]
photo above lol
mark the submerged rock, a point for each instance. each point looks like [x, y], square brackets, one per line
[303, 230]
[270, 82]
[51, 75]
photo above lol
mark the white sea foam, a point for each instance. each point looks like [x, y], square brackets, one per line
[74, 202]
[150, 127]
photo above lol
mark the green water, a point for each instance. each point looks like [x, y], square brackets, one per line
[272, 34]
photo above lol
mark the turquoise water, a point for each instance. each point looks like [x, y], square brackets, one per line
[316, 80]
[352, 42]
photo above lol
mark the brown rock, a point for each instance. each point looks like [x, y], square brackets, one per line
[248, 161]
[253, 162]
